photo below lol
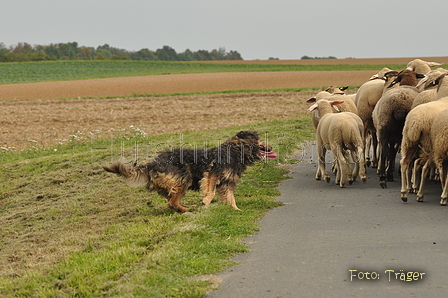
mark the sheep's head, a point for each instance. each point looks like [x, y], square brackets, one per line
[320, 95]
[434, 82]
[406, 78]
[421, 66]
[431, 79]
[336, 90]
[323, 106]
[380, 74]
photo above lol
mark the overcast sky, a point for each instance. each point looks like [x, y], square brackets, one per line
[257, 29]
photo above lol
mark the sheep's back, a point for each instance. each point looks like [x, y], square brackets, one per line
[424, 97]
[393, 106]
[439, 135]
[344, 127]
[419, 121]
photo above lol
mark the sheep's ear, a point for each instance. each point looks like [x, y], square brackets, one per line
[313, 107]
[432, 64]
[397, 80]
[312, 99]
[343, 88]
[336, 102]
[437, 81]
[420, 76]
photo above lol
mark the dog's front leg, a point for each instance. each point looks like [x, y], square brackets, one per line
[208, 187]
[227, 194]
[174, 200]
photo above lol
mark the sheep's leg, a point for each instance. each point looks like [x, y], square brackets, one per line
[382, 164]
[407, 153]
[391, 165]
[355, 158]
[425, 170]
[342, 164]
[361, 164]
[374, 149]
[443, 178]
[348, 166]
[321, 151]
[338, 170]
[367, 142]
[416, 175]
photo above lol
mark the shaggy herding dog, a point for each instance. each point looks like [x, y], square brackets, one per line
[174, 172]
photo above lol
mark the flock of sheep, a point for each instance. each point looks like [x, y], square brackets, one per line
[405, 111]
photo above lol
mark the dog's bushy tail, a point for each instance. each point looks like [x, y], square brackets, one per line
[134, 176]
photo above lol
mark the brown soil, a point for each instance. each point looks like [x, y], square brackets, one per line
[182, 83]
[45, 121]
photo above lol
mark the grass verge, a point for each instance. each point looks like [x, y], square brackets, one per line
[70, 229]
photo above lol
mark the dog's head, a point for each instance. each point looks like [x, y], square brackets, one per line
[254, 148]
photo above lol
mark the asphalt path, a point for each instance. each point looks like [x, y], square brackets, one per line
[359, 241]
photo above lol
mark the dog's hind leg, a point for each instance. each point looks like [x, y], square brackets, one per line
[208, 187]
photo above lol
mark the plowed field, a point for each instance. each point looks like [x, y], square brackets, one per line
[32, 116]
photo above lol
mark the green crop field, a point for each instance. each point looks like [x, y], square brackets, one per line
[24, 72]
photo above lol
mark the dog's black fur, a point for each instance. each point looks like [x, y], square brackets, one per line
[219, 168]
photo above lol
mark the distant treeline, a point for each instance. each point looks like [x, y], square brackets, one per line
[71, 51]
[308, 57]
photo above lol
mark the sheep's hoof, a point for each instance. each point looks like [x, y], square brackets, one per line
[317, 178]
[383, 181]
[327, 179]
[368, 163]
[350, 182]
[342, 185]
[364, 179]
[404, 199]
[419, 199]
[443, 202]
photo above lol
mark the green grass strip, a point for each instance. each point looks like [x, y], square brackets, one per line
[25, 72]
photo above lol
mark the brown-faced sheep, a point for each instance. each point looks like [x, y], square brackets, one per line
[388, 118]
[417, 136]
[340, 133]
[439, 137]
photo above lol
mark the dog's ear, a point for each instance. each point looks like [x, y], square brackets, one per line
[245, 134]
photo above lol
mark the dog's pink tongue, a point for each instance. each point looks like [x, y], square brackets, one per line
[270, 155]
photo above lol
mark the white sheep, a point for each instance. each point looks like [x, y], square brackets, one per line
[366, 98]
[420, 66]
[340, 133]
[417, 137]
[428, 86]
[389, 116]
[320, 95]
[439, 137]
[347, 104]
